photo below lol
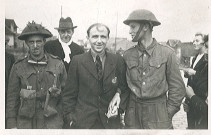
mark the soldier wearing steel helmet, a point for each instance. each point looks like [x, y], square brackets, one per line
[152, 72]
[35, 84]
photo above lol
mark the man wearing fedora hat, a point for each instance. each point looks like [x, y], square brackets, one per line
[64, 47]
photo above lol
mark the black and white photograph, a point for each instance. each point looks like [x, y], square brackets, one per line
[107, 67]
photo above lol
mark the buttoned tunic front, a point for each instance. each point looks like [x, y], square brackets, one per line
[153, 71]
[39, 76]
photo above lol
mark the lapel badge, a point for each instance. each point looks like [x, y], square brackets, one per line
[114, 80]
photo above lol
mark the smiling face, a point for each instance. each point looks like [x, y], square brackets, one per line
[66, 35]
[36, 45]
[98, 38]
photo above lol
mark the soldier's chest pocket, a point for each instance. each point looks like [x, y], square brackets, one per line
[133, 69]
[157, 64]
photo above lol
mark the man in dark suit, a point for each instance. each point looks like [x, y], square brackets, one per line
[64, 47]
[96, 85]
[197, 90]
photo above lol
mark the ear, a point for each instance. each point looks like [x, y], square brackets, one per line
[146, 27]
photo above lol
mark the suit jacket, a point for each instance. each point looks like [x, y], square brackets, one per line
[54, 47]
[198, 113]
[83, 100]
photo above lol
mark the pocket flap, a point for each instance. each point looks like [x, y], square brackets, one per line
[27, 94]
[157, 62]
[132, 64]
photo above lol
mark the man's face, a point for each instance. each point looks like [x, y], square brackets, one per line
[98, 38]
[66, 35]
[198, 42]
[36, 45]
[134, 28]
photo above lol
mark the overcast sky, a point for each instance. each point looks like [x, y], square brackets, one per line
[180, 19]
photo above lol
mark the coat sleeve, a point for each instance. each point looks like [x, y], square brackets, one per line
[122, 85]
[70, 92]
[13, 99]
[176, 85]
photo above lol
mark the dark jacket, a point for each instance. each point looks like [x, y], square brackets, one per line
[198, 112]
[28, 112]
[9, 61]
[54, 47]
[82, 97]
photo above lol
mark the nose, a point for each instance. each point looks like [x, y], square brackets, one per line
[130, 31]
[99, 40]
[35, 44]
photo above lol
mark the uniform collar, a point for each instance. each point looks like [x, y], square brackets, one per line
[43, 61]
[149, 49]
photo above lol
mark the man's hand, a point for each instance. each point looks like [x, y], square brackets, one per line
[185, 107]
[190, 71]
[54, 92]
[114, 102]
[189, 92]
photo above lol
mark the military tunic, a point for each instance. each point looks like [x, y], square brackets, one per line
[27, 74]
[151, 72]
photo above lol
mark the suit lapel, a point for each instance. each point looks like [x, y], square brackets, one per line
[90, 65]
[109, 65]
[200, 62]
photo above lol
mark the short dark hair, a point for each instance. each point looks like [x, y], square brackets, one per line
[202, 35]
[97, 25]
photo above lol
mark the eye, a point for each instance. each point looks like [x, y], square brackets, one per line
[39, 41]
[95, 36]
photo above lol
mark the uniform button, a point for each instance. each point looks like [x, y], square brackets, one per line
[145, 55]
[144, 73]
[133, 89]
[158, 66]
[143, 83]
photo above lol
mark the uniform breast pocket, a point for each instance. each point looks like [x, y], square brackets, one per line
[132, 70]
[157, 65]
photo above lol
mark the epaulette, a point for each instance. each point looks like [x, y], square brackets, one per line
[132, 47]
[21, 58]
[167, 46]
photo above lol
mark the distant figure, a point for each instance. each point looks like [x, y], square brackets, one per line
[196, 104]
[152, 72]
[64, 47]
[96, 91]
[35, 84]
[9, 61]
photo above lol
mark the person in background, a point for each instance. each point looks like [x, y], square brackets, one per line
[9, 61]
[152, 72]
[64, 47]
[196, 104]
[96, 90]
[35, 84]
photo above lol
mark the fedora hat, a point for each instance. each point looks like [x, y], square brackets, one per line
[65, 24]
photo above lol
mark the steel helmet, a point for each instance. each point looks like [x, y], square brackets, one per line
[142, 15]
[34, 29]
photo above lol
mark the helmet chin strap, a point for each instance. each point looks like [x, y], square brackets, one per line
[136, 38]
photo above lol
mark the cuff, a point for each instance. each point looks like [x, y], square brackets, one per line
[11, 123]
[118, 91]
[172, 110]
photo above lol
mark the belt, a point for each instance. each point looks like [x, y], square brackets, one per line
[160, 98]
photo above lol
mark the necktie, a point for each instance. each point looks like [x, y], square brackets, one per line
[99, 68]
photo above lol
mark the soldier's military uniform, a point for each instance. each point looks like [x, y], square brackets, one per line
[151, 73]
[30, 103]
